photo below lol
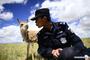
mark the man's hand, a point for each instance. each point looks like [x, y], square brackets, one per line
[56, 52]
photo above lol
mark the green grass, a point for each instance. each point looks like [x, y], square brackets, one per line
[18, 51]
[12, 51]
[86, 42]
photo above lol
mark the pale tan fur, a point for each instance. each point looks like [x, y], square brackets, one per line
[28, 36]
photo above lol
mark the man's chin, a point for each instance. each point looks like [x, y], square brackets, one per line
[39, 26]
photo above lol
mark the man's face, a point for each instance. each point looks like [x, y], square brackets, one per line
[40, 22]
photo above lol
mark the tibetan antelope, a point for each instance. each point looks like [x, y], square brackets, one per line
[28, 36]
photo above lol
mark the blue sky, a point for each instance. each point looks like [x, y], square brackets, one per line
[75, 12]
[18, 10]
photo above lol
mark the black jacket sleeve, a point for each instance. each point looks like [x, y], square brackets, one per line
[43, 50]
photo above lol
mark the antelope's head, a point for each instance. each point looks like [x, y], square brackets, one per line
[23, 25]
[23, 29]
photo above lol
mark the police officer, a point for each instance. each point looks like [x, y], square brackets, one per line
[55, 39]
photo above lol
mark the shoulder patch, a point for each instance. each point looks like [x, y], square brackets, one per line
[62, 23]
[63, 40]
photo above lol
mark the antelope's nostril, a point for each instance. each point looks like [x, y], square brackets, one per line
[26, 26]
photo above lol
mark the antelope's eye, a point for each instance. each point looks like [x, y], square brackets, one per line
[21, 25]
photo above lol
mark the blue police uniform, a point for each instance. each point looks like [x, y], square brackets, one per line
[60, 36]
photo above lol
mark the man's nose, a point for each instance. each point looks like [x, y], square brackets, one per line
[36, 21]
[36, 24]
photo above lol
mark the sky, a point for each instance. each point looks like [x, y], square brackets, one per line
[75, 12]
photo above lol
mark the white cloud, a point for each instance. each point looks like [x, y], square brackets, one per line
[85, 25]
[67, 9]
[25, 1]
[83, 28]
[78, 30]
[10, 34]
[11, 1]
[37, 5]
[1, 8]
[6, 15]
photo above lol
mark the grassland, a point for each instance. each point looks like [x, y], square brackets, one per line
[18, 51]
[86, 42]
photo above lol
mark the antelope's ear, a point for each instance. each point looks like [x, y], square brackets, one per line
[18, 20]
[27, 20]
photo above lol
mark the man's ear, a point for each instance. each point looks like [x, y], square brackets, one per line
[45, 17]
